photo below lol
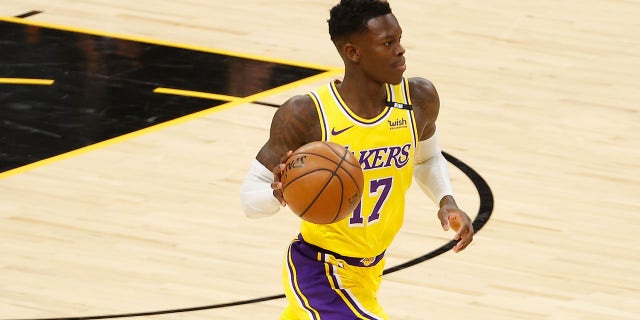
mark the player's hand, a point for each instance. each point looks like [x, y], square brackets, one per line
[451, 217]
[276, 185]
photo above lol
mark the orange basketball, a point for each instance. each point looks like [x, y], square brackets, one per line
[322, 182]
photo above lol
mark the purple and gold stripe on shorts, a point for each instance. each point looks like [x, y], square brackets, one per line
[357, 262]
[317, 286]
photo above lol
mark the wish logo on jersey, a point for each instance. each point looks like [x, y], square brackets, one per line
[385, 157]
[397, 124]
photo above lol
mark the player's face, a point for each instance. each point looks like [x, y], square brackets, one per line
[382, 55]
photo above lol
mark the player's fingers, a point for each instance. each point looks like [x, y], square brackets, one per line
[445, 224]
[444, 220]
[277, 172]
[464, 239]
[278, 194]
[463, 230]
[461, 245]
[286, 156]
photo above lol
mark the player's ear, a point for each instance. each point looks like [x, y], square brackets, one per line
[351, 52]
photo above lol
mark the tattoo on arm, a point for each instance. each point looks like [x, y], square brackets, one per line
[293, 125]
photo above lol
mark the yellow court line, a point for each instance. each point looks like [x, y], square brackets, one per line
[165, 43]
[46, 82]
[197, 94]
[160, 126]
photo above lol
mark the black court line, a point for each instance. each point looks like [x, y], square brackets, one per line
[484, 213]
[267, 104]
[28, 14]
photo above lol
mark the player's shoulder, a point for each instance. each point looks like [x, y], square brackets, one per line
[299, 101]
[425, 101]
[301, 107]
[423, 93]
[299, 111]
[421, 88]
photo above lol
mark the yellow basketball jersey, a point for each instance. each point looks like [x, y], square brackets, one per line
[384, 147]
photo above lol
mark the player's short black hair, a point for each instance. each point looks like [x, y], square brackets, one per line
[351, 16]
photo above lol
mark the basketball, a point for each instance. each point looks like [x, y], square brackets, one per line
[322, 182]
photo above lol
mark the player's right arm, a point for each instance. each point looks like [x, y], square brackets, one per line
[294, 124]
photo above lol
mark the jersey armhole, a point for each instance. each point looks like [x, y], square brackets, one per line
[407, 92]
[321, 117]
[407, 97]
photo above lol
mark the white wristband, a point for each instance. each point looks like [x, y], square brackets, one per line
[256, 193]
[431, 170]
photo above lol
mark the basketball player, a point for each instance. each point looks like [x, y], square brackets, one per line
[334, 271]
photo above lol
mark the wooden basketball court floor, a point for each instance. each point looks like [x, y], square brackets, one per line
[538, 98]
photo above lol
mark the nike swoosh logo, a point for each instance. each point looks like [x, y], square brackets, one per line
[335, 133]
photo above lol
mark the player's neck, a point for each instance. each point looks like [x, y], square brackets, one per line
[364, 97]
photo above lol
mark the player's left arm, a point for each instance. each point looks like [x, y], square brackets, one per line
[431, 168]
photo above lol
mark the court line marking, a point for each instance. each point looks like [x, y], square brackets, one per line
[166, 43]
[176, 121]
[197, 94]
[328, 72]
[44, 82]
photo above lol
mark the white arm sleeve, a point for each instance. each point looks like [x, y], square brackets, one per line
[431, 170]
[256, 194]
